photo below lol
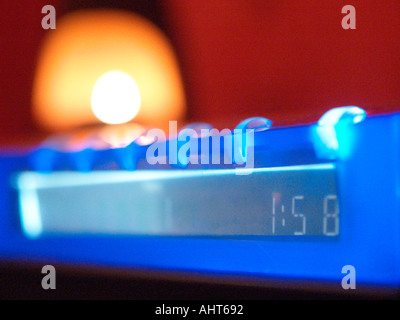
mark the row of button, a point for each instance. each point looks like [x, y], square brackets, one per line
[122, 147]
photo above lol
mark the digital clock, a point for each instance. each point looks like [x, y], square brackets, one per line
[321, 199]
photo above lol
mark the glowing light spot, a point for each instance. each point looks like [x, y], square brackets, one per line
[350, 115]
[115, 98]
[87, 44]
[334, 133]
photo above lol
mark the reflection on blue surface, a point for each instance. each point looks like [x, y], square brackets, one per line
[30, 213]
[347, 115]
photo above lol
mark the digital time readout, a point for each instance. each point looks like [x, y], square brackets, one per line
[304, 217]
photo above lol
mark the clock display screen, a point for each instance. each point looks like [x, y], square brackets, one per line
[282, 201]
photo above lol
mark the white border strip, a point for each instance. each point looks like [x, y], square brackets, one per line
[60, 179]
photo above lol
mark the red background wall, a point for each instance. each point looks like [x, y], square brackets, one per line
[286, 60]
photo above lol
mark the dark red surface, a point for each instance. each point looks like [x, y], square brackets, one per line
[287, 60]
[290, 60]
[20, 36]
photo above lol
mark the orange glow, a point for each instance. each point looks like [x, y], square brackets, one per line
[120, 136]
[88, 44]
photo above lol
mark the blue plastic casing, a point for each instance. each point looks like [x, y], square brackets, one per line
[368, 183]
